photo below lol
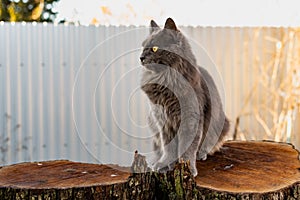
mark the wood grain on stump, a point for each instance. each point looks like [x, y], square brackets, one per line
[71, 180]
[61, 174]
[241, 170]
[254, 170]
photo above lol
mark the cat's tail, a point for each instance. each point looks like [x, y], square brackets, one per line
[222, 137]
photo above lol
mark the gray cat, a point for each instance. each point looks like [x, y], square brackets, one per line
[187, 115]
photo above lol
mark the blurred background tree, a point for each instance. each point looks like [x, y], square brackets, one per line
[28, 10]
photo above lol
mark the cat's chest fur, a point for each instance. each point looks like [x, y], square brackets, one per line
[162, 97]
[164, 118]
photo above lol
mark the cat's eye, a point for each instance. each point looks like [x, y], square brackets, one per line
[155, 48]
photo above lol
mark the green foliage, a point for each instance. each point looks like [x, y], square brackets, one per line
[28, 10]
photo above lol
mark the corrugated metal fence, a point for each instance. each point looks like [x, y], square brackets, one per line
[71, 92]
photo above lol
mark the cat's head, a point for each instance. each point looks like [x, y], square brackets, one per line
[165, 48]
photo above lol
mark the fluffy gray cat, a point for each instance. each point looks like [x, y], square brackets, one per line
[187, 115]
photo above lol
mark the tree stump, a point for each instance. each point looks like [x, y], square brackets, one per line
[251, 170]
[241, 170]
[64, 179]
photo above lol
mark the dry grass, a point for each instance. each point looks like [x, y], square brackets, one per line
[273, 103]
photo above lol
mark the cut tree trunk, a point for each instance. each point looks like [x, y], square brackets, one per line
[241, 170]
[251, 170]
[73, 180]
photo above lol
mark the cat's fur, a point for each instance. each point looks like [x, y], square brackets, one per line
[187, 115]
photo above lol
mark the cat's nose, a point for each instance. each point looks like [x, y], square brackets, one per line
[142, 58]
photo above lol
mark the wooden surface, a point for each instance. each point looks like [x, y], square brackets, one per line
[61, 174]
[251, 167]
[251, 170]
[67, 180]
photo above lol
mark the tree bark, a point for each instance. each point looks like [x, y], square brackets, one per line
[241, 170]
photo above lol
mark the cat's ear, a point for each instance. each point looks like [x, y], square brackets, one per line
[170, 24]
[153, 26]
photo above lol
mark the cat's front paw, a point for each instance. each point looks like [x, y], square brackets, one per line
[194, 171]
[163, 166]
[153, 161]
[202, 156]
[159, 167]
[192, 164]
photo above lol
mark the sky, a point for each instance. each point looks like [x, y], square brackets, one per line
[187, 12]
